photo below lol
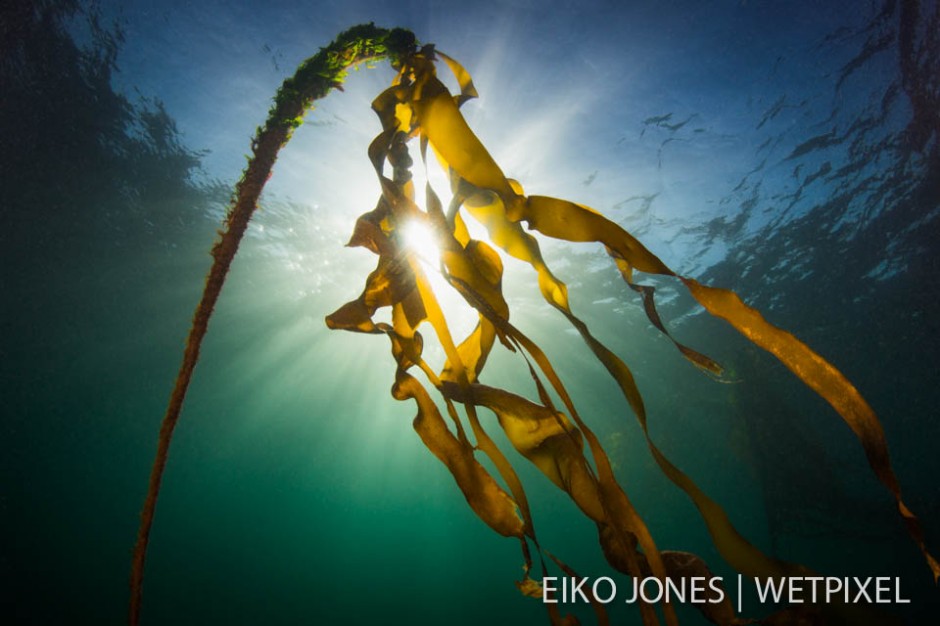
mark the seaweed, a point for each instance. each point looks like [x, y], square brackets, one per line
[557, 440]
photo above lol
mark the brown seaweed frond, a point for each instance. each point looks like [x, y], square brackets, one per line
[419, 105]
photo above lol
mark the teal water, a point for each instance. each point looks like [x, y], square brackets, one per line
[790, 154]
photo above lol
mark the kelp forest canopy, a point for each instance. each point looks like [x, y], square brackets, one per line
[422, 127]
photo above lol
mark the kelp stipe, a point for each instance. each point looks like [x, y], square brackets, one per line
[418, 105]
[314, 79]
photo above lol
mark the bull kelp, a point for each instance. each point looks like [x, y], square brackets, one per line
[546, 429]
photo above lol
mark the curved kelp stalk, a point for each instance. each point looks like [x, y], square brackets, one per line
[313, 80]
[418, 105]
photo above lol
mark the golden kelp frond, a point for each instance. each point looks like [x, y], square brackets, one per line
[551, 216]
[545, 437]
[501, 207]
[823, 378]
[556, 440]
[467, 90]
[476, 271]
[419, 105]
[487, 499]
[579, 223]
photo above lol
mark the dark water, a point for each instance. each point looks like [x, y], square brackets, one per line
[790, 151]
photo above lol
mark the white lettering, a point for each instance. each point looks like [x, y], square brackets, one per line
[610, 583]
[576, 590]
[659, 590]
[675, 592]
[715, 584]
[633, 597]
[548, 593]
[812, 581]
[772, 588]
[861, 590]
[796, 587]
[897, 593]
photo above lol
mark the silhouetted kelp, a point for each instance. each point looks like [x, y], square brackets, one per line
[418, 105]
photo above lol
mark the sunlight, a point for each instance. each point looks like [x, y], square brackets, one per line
[420, 240]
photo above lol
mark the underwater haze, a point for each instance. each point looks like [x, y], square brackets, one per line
[788, 151]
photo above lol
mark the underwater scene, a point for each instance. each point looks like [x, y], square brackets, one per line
[503, 312]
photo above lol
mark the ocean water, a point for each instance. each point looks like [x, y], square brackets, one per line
[788, 151]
